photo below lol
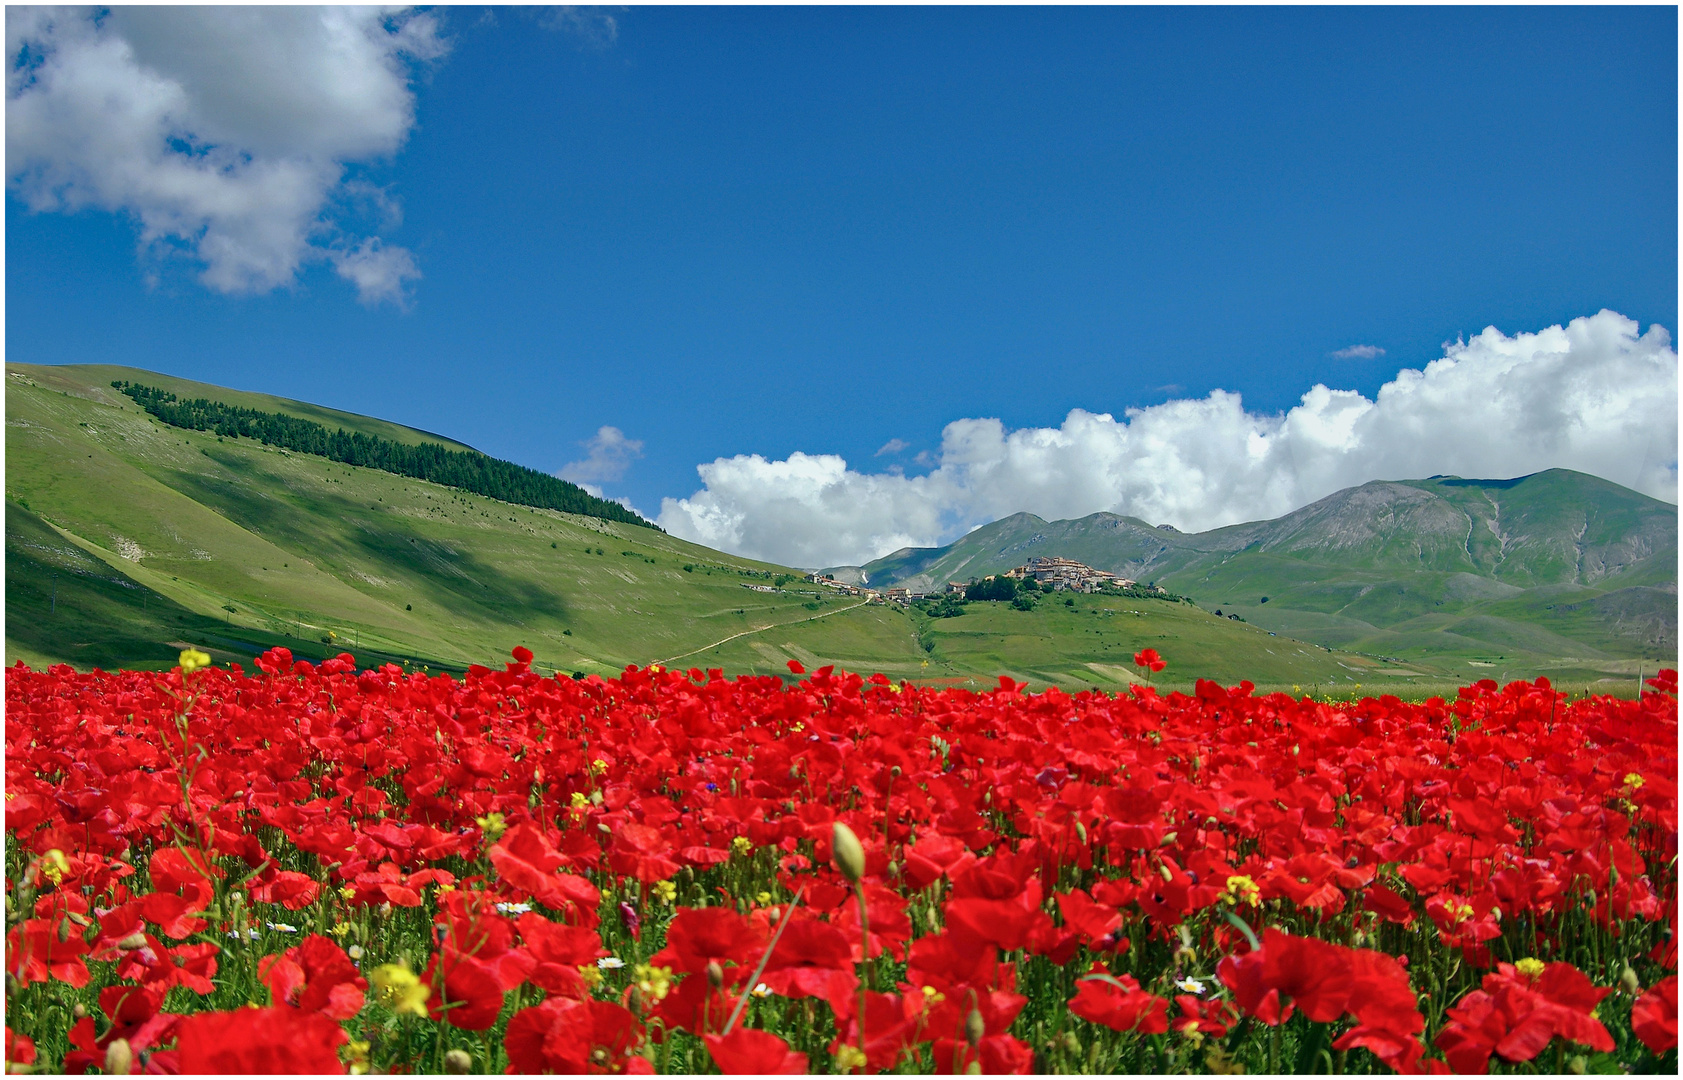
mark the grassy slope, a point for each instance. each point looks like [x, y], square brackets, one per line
[155, 532]
[300, 547]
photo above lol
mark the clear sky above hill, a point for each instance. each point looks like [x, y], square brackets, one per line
[816, 250]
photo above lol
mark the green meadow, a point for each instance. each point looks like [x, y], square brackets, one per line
[128, 539]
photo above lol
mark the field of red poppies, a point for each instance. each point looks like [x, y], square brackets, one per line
[312, 868]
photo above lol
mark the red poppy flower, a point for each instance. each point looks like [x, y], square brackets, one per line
[20, 1049]
[1515, 1015]
[35, 953]
[642, 852]
[1148, 658]
[174, 872]
[248, 1041]
[1118, 1003]
[288, 888]
[471, 996]
[702, 935]
[571, 1037]
[558, 952]
[894, 1026]
[1092, 922]
[525, 859]
[1654, 1016]
[812, 959]
[747, 1050]
[316, 976]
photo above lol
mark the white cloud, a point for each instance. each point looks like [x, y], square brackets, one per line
[225, 133]
[1593, 396]
[1358, 352]
[892, 446]
[593, 27]
[610, 454]
[377, 271]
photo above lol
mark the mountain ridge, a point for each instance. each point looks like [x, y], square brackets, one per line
[1443, 542]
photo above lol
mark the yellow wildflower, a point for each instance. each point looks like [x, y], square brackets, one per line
[742, 845]
[591, 974]
[1530, 967]
[665, 891]
[356, 1057]
[400, 989]
[653, 982]
[347, 891]
[849, 1057]
[340, 929]
[1634, 780]
[492, 824]
[598, 766]
[54, 866]
[192, 660]
[580, 800]
[762, 899]
[1241, 889]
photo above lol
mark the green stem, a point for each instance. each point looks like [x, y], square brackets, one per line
[865, 967]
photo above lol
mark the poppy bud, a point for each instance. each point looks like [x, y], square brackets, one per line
[849, 854]
[1168, 838]
[715, 974]
[1578, 1066]
[1071, 1043]
[458, 1061]
[1168, 875]
[893, 868]
[973, 1069]
[1081, 831]
[974, 1028]
[1632, 984]
[136, 940]
[78, 1010]
[119, 1057]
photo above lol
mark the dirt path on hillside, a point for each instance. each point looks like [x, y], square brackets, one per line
[763, 629]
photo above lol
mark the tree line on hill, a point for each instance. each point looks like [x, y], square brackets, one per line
[468, 470]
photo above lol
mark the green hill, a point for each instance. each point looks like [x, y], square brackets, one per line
[128, 539]
[1557, 570]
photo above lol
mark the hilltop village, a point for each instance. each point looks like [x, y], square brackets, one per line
[1051, 573]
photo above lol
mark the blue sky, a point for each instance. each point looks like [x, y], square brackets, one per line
[831, 231]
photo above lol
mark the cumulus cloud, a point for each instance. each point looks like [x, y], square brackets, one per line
[1596, 396]
[224, 133]
[1358, 352]
[892, 446]
[377, 271]
[609, 454]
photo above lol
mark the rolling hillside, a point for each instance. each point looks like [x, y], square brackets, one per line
[158, 535]
[1557, 568]
[128, 539]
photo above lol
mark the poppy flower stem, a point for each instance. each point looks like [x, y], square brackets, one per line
[865, 958]
[765, 958]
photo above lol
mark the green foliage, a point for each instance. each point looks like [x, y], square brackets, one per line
[949, 606]
[998, 587]
[469, 471]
